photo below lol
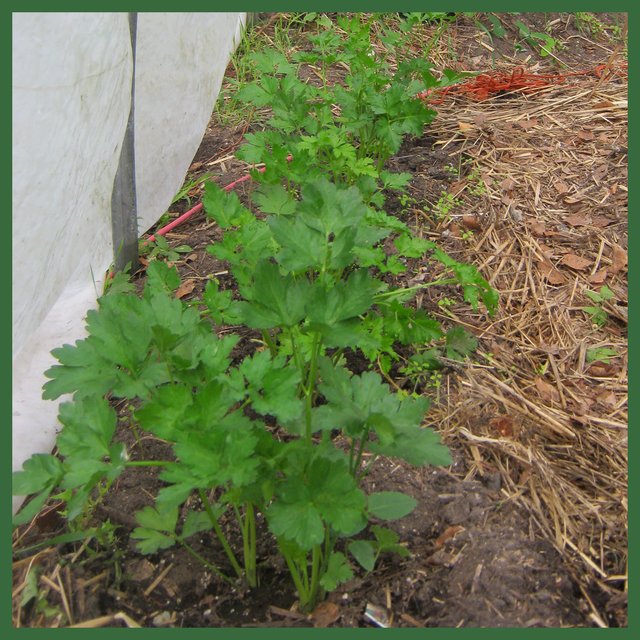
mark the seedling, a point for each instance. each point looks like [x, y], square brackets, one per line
[445, 204]
[598, 315]
[33, 595]
[541, 369]
[160, 249]
[601, 354]
[589, 23]
[537, 39]
[189, 188]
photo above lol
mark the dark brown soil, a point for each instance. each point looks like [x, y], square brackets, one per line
[474, 560]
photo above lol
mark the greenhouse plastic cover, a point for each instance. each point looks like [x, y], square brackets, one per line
[71, 102]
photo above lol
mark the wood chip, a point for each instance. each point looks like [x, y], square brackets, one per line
[619, 259]
[185, 288]
[576, 262]
[546, 391]
[553, 275]
[324, 614]
[471, 222]
[503, 425]
[448, 534]
[578, 220]
[599, 277]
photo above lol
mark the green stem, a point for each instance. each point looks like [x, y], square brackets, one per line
[268, 340]
[302, 589]
[316, 557]
[364, 472]
[402, 292]
[205, 562]
[311, 382]
[220, 534]
[297, 358]
[358, 459]
[248, 526]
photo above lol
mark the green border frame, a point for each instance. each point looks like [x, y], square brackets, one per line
[8, 631]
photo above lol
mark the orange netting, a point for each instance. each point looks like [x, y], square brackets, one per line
[494, 83]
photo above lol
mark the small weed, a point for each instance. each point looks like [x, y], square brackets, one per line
[589, 23]
[445, 204]
[160, 249]
[467, 235]
[601, 354]
[475, 183]
[541, 369]
[32, 593]
[187, 190]
[538, 40]
[598, 315]
[407, 202]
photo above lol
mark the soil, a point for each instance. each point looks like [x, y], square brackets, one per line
[475, 560]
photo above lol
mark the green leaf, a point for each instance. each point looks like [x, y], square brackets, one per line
[474, 286]
[244, 248]
[296, 520]
[38, 472]
[412, 246]
[162, 520]
[598, 315]
[420, 446]
[218, 302]
[395, 181]
[460, 343]
[155, 524]
[225, 208]
[273, 386]
[274, 300]
[388, 540]
[603, 354]
[364, 553]
[163, 415]
[338, 571]
[301, 247]
[390, 505]
[89, 426]
[195, 522]
[345, 300]
[275, 199]
[161, 277]
[325, 493]
[358, 404]
[151, 540]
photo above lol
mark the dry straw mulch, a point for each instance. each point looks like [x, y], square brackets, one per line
[551, 224]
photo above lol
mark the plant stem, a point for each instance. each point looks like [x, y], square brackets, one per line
[268, 340]
[303, 592]
[248, 527]
[316, 556]
[424, 285]
[223, 539]
[311, 382]
[358, 459]
[205, 562]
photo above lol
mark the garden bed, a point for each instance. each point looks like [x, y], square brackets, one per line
[527, 527]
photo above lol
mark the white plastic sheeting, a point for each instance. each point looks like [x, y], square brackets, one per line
[71, 100]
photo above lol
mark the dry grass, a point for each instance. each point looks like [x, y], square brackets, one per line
[554, 224]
